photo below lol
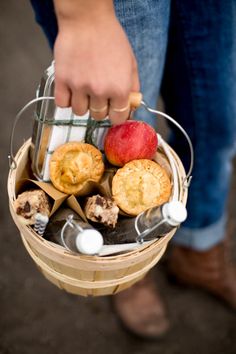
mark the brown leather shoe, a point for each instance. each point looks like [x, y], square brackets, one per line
[210, 270]
[141, 309]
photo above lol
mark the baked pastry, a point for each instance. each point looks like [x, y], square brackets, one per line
[139, 185]
[102, 210]
[31, 202]
[74, 164]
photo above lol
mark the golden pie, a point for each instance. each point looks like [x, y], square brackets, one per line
[139, 185]
[74, 164]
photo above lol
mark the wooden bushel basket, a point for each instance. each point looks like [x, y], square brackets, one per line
[81, 274]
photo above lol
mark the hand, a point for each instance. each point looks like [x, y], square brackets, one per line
[95, 67]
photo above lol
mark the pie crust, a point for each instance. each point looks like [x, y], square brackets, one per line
[139, 185]
[74, 164]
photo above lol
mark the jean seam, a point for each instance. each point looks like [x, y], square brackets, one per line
[198, 125]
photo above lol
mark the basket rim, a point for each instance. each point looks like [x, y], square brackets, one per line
[51, 247]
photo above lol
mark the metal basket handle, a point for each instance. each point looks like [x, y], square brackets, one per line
[135, 99]
[187, 179]
[135, 102]
[12, 161]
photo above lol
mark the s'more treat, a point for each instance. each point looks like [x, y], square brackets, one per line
[102, 210]
[30, 203]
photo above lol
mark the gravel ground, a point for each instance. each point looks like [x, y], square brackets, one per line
[36, 317]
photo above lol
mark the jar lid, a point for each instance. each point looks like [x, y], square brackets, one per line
[175, 212]
[89, 241]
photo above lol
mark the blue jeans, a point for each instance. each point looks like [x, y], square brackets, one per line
[186, 50]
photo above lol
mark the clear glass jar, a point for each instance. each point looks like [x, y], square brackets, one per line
[78, 236]
[161, 220]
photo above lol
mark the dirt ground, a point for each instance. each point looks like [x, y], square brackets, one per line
[35, 316]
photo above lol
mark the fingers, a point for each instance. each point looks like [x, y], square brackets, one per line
[79, 103]
[66, 96]
[98, 107]
[62, 94]
[117, 106]
[119, 109]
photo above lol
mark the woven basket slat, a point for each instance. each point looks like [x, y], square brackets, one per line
[80, 274]
[67, 279]
[122, 287]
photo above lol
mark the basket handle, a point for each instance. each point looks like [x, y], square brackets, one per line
[135, 99]
[12, 161]
[188, 177]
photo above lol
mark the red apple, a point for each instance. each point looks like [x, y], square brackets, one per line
[130, 141]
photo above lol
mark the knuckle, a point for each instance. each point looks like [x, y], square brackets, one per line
[60, 78]
[97, 90]
[121, 92]
[75, 84]
[124, 96]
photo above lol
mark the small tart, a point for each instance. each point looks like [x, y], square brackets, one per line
[139, 185]
[74, 164]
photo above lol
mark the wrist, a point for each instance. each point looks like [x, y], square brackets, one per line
[83, 12]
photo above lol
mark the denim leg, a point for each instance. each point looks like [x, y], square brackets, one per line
[46, 18]
[146, 23]
[199, 90]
